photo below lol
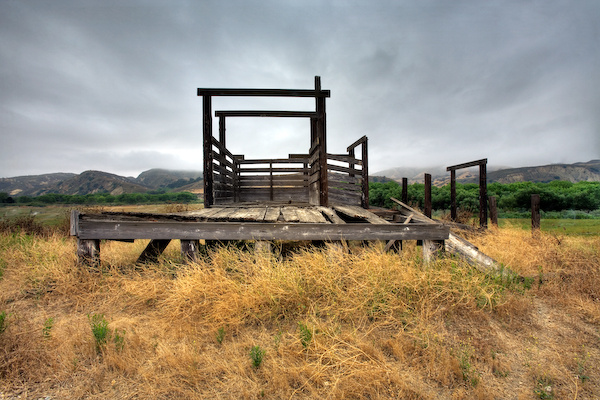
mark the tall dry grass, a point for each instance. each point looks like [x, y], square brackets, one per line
[336, 322]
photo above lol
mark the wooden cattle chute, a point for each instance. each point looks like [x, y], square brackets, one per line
[316, 177]
[483, 205]
[314, 196]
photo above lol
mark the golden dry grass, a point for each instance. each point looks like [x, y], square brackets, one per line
[335, 322]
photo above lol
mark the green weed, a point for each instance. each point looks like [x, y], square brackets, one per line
[46, 330]
[256, 355]
[100, 330]
[305, 334]
[3, 324]
[220, 335]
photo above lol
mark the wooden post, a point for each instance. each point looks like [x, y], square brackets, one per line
[207, 145]
[483, 208]
[271, 181]
[405, 190]
[453, 211]
[322, 138]
[88, 252]
[432, 249]
[365, 174]
[428, 206]
[535, 214]
[153, 250]
[493, 211]
[190, 250]
[352, 154]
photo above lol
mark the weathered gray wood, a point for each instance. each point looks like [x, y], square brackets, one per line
[330, 215]
[207, 92]
[310, 215]
[107, 229]
[290, 214]
[344, 158]
[467, 165]
[88, 251]
[427, 206]
[456, 245]
[535, 214]
[272, 214]
[153, 250]
[207, 146]
[266, 113]
[190, 250]
[493, 211]
[483, 197]
[432, 250]
[248, 214]
[360, 213]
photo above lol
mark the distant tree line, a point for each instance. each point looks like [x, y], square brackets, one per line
[101, 198]
[554, 196]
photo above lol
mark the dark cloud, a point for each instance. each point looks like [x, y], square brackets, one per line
[111, 85]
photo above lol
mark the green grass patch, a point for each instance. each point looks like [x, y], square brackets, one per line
[583, 227]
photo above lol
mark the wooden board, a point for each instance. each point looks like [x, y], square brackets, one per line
[119, 230]
[248, 214]
[290, 214]
[309, 215]
[359, 213]
[272, 214]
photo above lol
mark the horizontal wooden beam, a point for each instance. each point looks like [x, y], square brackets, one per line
[357, 143]
[264, 92]
[467, 165]
[263, 113]
[164, 230]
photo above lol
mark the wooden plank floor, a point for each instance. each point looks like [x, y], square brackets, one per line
[285, 213]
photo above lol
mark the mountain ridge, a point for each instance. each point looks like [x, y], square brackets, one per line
[90, 182]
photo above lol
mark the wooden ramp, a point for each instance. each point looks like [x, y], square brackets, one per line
[242, 222]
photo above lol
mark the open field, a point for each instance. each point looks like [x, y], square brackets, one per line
[318, 323]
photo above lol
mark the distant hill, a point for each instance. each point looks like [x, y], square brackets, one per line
[583, 171]
[577, 172]
[90, 182]
[164, 178]
[32, 185]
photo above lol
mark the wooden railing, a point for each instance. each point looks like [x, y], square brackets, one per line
[349, 182]
[296, 179]
[225, 174]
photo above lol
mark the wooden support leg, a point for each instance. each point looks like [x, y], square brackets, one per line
[262, 247]
[432, 249]
[154, 249]
[189, 250]
[88, 251]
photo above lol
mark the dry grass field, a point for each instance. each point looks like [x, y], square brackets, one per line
[346, 322]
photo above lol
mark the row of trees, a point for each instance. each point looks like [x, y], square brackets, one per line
[101, 198]
[554, 196]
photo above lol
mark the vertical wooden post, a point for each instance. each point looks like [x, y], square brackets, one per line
[453, 210]
[322, 139]
[271, 181]
[190, 250]
[207, 142]
[88, 252]
[222, 140]
[493, 211]
[535, 214]
[432, 249]
[365, 174]
[428, 206]
[483, 208]
[351, 154]
[405, 190]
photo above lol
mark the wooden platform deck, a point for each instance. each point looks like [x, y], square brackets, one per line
[260, 222]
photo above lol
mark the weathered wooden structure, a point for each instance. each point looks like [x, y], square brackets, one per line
[317, 195]
[483, 200]
[316, 177]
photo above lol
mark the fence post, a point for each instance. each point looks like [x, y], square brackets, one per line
[405, 190]
[535, 214]
[428, 206]
[453, 213]
[493, 211]
[483, 209]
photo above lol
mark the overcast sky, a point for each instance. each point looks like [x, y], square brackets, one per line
[111, 85]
